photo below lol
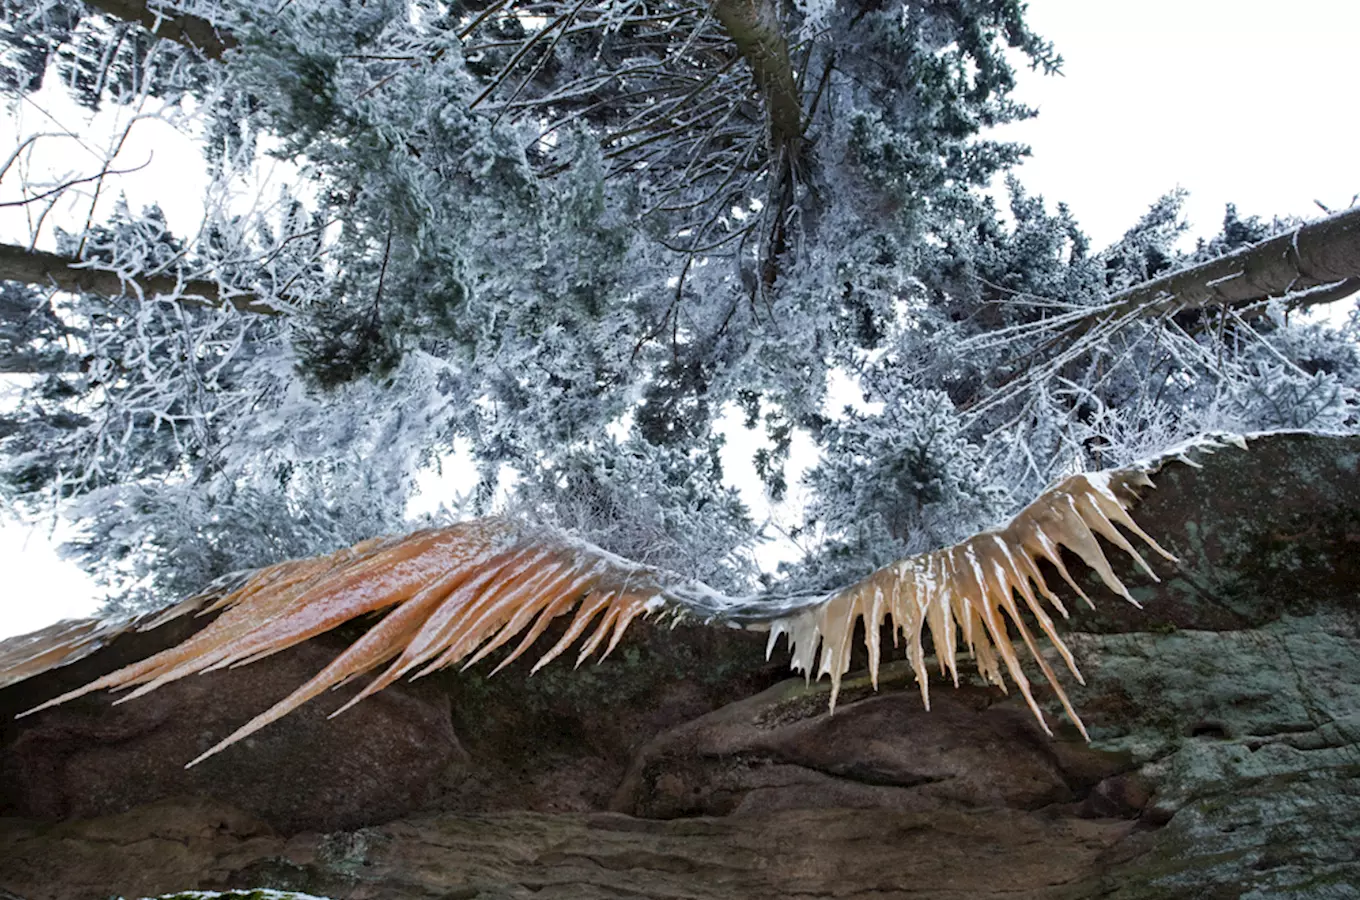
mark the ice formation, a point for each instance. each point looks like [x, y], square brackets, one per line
[456, 595]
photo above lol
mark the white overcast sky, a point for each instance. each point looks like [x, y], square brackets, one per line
[1245, 102]
[1238, 101]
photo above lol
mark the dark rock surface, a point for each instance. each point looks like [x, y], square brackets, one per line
[91, 758]
[1225, 759]
[780, 750]
[560, 741]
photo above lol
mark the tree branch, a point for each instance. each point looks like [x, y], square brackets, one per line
[1322, 253]
[1316, 263]
[52, 192]
[191, 31]
[67, 274]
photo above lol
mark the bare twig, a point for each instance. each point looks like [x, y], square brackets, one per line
[72, 183]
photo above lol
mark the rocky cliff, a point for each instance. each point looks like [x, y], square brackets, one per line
[1225, 759]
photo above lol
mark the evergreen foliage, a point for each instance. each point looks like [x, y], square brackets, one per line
[573, 236]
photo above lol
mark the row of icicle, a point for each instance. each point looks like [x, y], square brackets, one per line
[455, 595]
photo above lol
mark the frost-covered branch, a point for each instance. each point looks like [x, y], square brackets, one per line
[1310, 264]
[69, 274]
[1319, 255]
[164, 21]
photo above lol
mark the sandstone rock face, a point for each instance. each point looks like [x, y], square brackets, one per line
[1225, 759]
[780, 750]
[90, 758]
[560, 741]
[1252, 740]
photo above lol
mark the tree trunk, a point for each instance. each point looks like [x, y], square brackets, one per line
[49, 269]
[191, 31]
[754, 26]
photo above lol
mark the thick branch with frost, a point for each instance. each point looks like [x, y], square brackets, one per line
[182, 28]
[1320, 258]
[53, 270]
[1315, 263]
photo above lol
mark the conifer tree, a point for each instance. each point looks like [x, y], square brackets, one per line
[570, 237]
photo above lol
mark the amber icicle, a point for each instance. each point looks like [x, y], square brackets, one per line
[455, 595]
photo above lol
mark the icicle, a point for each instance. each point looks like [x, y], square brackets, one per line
[457, 595]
